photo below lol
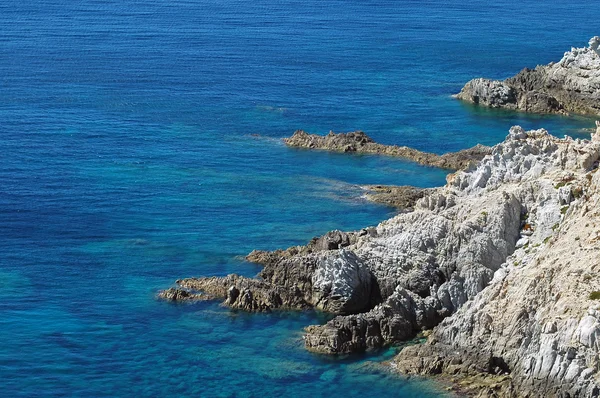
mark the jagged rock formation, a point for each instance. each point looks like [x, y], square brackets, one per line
[538, 323]
[174, 294]
[571, 85]
[332, 240]
[359, 142]
[595, 44]
[430, 262]
[335, 281]
[239, 293]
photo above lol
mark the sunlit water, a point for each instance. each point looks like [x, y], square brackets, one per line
[140, 143]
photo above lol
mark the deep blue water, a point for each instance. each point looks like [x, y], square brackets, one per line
[140, 143]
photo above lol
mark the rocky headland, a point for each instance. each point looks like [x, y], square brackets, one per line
[571, 85]
[359, 142]
[535, 330]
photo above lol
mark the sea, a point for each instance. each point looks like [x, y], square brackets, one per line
[140, 142]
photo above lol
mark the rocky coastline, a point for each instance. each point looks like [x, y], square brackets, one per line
[500, 267]
[428, 268]
[571, 85]
[536, 326]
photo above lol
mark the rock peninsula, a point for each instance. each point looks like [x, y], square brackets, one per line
[402, 197]
[571, 85]
[359, 142]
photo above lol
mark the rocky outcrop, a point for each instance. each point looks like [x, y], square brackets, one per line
[430, 262]
[395, 320]
[335, 281]
[244, 293]
[537, 322]
[181, 295]
[359, 142]
[571, 85]
[332, 240]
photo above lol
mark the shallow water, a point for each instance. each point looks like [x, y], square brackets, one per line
[140, 143]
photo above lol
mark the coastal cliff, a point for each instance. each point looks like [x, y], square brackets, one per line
[429, 262]
[571, 85]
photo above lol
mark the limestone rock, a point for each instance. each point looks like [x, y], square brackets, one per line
[244, 293]
[341, 283]
[175, 294]
[335, 281]
[332, 240]
[596, 136]
[595, 45]
[396, 320]
[428, 263]
[492, 93]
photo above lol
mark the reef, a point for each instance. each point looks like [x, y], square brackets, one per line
[571, 85]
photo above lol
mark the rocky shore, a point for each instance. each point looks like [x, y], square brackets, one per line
[571, 85]
[359, 142]
[500, 263]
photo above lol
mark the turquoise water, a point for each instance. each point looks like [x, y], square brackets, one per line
[140, 143]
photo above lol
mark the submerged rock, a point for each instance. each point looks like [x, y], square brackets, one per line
[359, 142]
[570, 85]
